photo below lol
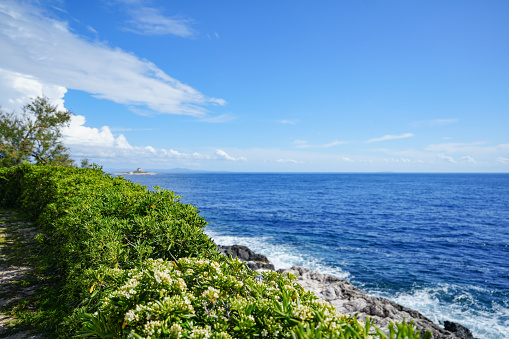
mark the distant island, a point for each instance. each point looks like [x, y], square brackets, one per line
[138, 171]
[177, 170]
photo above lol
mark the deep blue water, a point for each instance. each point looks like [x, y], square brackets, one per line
[438, 243]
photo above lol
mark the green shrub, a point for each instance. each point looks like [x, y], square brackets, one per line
[197, 298]
[136, 264]
[93, 223]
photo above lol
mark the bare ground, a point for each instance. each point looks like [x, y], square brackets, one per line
[18, 281]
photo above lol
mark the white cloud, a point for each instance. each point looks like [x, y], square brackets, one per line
[218, 118]
[217, 101]
[44, 51]
[122, 143]
[462, 154]
[503, 160]
[91, 29]
[468, 159]
[128, 129]
[397, 161]
[224, 156]
[304, 144]
[100, 144]
[301, 144]
[442, 122]
[451, 147]
[347, 159]
[76, 134]
[435, 122]
[391, 137]
[446, 158]
[474, 149]
[149, 21]
[413, 156]
[288, 122]
[334, 143]
[285, 161]
[18, 89]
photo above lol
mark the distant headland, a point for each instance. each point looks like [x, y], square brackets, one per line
[138, 171]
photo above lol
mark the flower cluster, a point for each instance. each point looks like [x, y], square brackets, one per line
[199, 298]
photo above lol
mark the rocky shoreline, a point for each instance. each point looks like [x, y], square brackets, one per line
[349, 300]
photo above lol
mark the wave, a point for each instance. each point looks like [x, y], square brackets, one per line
[439, 303]
[280, 255]
[458, 304]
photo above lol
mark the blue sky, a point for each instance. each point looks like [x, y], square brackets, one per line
[278, 86]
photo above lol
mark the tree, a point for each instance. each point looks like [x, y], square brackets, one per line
[34, 135]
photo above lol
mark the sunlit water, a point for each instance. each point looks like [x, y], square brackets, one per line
[437, 243]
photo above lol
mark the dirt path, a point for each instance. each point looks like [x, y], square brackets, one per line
[18, 280]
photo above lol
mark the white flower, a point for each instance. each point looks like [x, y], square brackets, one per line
[200, 333]
[130, 316]
[175, 331]
[211, 294]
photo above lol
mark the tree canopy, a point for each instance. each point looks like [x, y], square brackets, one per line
[34, 135]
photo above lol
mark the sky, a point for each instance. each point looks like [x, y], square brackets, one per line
[268, 86]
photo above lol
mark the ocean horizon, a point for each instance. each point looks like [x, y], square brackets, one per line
[435, 242]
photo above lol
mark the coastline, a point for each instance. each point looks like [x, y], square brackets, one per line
[350, 300]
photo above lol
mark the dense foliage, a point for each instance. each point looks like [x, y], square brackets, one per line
[133, 263]
[93, 223]
[200, 298]
[33, 135]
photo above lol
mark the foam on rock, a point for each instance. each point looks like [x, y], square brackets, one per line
[349, 300]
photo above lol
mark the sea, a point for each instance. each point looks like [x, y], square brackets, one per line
[436, 243]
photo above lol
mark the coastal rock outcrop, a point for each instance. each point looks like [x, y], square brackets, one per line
[459, 330]
[349, 300]
[253, 260]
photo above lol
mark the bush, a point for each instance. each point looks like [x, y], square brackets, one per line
[136, 264]
[197, 298]
[93, 223]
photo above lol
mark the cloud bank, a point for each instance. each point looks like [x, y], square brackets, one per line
[391, 137]
[150, 21]
[103, 146]
[37, 49]
[304, 144]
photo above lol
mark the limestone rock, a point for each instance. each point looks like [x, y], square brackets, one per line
[253, 260]
[349, 300]
[459, 330]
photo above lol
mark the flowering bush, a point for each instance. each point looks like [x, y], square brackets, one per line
[101, 234]
[92, 223]
[197, 298]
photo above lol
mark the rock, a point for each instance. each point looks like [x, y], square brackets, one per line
[459, 330]
[349, 300]
[253, 260]
[259, 266]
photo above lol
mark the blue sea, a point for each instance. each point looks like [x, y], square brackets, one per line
[437, 243]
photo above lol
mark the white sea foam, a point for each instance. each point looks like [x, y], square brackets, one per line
[281, 255]
[488, 324]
